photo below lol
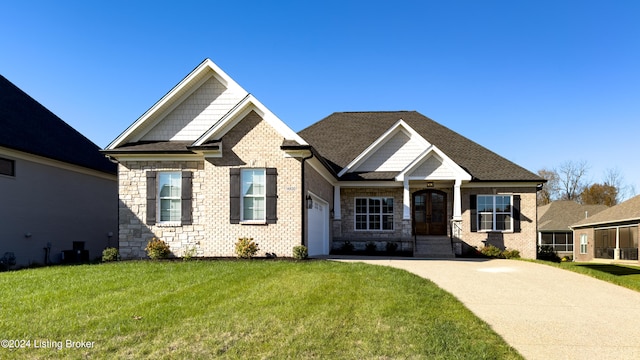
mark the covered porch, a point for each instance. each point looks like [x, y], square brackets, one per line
[423, 217]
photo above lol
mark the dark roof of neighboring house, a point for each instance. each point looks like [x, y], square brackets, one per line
[342, 136]
[623, 212]
[29, 127]
[559, 215]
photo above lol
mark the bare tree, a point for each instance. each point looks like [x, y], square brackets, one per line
[571, 179]
[549, 190]
[615, 179]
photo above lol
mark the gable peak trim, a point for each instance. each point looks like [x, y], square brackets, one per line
[400, 125]
[434, 151]
[238, 112]
[195, 77]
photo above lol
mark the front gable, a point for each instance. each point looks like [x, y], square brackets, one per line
[392, 151]
[433, 164]
[247, 105]
[195, 115]
[188, 109]
[188, 118]
[394, 154]
[432, 168]
[401, 150]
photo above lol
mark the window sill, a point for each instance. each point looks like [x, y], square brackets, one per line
[496, 231]
[169, 224]
[374, 230]
[253, 222]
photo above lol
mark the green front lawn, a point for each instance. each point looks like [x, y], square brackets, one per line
[623, 275]
[238, 309]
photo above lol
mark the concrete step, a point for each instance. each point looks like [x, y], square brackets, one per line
[433, 247]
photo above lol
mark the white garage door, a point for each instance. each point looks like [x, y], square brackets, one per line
[318, 228]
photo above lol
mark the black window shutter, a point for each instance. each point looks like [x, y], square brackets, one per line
[474, 213]
[516, 213]
[186, 198]
[151, 197]
[272, 195]
[234, 195]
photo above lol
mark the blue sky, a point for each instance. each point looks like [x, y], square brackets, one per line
[539, 82]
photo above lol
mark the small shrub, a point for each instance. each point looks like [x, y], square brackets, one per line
[511, 254]
[246, 248]
[300, 252]
[567, 259]
[157, 249]
[347, 248]
[491, 251]
[391, 247]
[370, 247]
[110, 254]
[547, 253]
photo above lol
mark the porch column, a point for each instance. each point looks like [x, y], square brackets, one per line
[406, 201]
[457, 201]
[616, 251]
[337, 214]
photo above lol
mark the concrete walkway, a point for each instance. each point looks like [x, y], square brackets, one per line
[542, 311]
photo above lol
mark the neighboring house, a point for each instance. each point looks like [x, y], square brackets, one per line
[609, 235]
[208, 164]
[58, 191]
[555, 219]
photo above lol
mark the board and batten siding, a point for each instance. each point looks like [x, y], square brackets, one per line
[394, 155]
[197, 113]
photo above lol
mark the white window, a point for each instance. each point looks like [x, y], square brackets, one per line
[583, 243]
[495, 213]
[253, 195]
[374, 214]
[169, 194]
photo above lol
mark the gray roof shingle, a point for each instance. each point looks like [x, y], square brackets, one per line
[626, 211]
[342, 136]
[29, 127]
[559, 215]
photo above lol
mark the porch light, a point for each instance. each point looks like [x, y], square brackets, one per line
[309, 202]
[430, 184]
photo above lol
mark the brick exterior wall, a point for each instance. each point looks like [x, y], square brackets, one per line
[524, 241]
[252, 143]
[360, 237]
[590, 244]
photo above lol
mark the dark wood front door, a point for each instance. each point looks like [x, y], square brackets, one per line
[429, 212]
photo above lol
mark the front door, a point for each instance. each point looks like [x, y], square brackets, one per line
[430, 212]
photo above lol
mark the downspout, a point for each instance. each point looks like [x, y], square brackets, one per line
[304, 199]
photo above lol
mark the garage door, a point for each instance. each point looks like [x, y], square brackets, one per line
[318, 228]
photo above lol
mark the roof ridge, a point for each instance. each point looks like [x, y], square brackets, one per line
[372, 111]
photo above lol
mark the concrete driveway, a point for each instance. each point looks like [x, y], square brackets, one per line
[542, 311]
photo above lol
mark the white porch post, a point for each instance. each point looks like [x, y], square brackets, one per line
[406, 201]
[457, 200]
[616, 251]
[337, 214]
